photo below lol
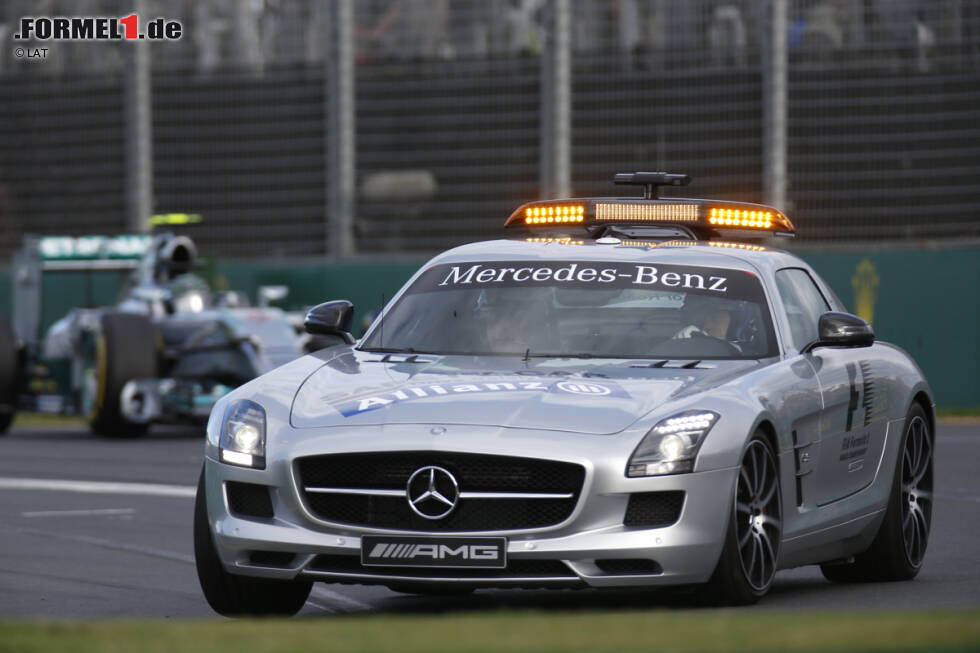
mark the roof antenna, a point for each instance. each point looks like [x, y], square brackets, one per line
[651, 181]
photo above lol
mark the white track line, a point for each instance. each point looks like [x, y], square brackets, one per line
[113, 545]
[957, 498]
[100, 512]
[99, 487]
[146, 489]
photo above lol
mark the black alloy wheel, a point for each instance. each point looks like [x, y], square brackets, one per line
[916, 490]
[750, 555]
[899, 547]
[758, 516]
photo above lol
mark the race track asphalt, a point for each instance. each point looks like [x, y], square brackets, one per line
[93, 528]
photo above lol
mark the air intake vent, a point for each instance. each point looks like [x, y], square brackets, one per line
[271, 558]
[629, 567]
[516, 568]
[654, 509]
[249, 500]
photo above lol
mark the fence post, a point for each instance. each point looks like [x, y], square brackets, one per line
[138, 119]
[556, 102]
[775, 72]
[339, 93]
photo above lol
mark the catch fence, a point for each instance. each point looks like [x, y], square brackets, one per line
[864, 124]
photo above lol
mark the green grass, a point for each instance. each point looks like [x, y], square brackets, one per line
[46, 420]
[957, 412]
[566, 632]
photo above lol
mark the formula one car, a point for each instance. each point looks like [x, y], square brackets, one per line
[635, 394]
[165, 352]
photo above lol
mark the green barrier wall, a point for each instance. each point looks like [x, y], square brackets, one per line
[924, 300]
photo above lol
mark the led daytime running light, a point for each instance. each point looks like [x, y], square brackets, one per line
[671, 446]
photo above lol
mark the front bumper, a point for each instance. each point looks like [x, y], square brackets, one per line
[576, 553]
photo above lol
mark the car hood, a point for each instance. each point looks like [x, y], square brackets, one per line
[596, 396]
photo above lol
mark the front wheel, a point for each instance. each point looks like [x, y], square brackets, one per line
[899, 547]
[237, 596]
[750, 555]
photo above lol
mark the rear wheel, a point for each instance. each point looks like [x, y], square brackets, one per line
[125, 349]
[9, 374]
[748, 560]
[235, 596]
[899, 547]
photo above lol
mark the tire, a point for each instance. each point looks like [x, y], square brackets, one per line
[124, 349]
[750, 556]
[9, 374]
[898, 550]
[237, 596]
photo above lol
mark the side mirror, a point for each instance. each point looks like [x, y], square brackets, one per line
[842, 330]
[331, 319]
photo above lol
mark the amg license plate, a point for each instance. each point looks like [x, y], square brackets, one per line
[487, 552]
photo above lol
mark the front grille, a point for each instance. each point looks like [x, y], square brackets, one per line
[517, 568]
[629, 566]
[249, 499]
[654, 509]
[390, 471]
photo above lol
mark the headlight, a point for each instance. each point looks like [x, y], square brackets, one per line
[243, 435]
[671, 445]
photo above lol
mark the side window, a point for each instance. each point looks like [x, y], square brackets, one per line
[803, 302]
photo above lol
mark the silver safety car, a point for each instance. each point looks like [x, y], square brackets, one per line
[634, 392]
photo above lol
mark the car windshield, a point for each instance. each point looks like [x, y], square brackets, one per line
[579, 309]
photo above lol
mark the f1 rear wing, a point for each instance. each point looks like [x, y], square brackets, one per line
[65, 254]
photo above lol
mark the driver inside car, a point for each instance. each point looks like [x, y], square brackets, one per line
[707, 318]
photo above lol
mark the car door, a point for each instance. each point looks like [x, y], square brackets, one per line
[852, 430]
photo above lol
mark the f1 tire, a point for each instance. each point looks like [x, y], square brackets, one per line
[9, 374]
[125, 349]
[238, 596]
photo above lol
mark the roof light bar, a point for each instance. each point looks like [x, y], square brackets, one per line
[646, 212]
[709, 214]
[705, 218]
[549, 213]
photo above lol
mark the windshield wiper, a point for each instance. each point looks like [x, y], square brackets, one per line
[394, 350]
[534, 354]
[586, 355]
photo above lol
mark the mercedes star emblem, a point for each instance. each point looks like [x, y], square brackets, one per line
[432, 492]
